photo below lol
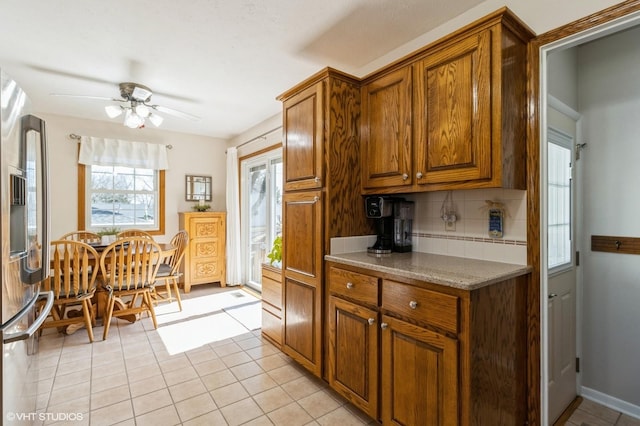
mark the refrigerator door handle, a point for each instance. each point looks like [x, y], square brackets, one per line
[31, 123]
[44, 313]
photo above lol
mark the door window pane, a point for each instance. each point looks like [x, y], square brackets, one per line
[261, 211]
[559, 196]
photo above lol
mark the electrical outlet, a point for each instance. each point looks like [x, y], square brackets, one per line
[450, 226]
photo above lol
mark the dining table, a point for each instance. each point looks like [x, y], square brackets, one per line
[100, 298]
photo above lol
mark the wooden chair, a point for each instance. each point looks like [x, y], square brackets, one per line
[129, 267]
[84, 236]
[73, 281]
[133, 233]
[169, 270]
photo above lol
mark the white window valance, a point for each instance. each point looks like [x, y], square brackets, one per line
[118, 152]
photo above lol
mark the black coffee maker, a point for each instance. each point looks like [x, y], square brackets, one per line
[381, 209]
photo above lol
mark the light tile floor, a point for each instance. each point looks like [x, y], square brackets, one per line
[590, 413]
[141, 376]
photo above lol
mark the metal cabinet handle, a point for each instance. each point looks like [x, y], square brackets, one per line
[419, 175]
[371, 321]
[405, 176]
[552, 295]
[413, 304]
[349, 285]
[384, 325]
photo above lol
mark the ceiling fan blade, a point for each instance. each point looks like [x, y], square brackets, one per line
[175, 112]
[100, 98]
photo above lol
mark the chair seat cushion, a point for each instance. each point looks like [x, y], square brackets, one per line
[164, 270]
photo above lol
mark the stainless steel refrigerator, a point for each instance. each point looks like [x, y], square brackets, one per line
[24, 236]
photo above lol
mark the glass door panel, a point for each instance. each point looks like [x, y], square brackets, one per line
[257, 216]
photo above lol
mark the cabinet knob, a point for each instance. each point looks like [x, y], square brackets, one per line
[384, 325]
[349, 285]
[371, 321]
[413, 304]
[316, 179]
[419, 175]
[405, 176]
[315, 199]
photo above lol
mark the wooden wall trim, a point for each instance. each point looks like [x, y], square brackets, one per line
[611, 244]
[533, 185]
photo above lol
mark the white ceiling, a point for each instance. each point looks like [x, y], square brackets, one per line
[222, 60]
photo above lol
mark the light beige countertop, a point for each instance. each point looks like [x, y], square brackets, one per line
[458, 272]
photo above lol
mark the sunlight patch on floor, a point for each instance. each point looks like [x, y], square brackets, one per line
[203, 320]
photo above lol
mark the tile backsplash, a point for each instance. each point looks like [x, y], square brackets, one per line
[471, 236]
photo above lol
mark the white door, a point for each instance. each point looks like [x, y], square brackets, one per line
[562, 273]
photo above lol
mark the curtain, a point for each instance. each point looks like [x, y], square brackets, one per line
[117, 152]
[234, 260]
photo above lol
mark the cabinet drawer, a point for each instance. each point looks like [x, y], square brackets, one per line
[272, 291]
[272, 326]
[421, 305]
[205, 247]
[360, 287]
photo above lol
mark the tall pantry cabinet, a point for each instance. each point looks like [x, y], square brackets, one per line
[321, 154]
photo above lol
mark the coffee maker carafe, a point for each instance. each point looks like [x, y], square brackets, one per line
[402, 224]
[381, 209]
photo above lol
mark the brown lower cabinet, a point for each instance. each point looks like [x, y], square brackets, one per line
[272, 304]
[408, 352]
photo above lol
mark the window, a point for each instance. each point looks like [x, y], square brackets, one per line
[261, 212]
[559, 194]
[120, 197]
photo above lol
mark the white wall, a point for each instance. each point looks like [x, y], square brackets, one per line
[252, 139]
[190, 155]
[541, 16]
[562, 67]
[610, 103]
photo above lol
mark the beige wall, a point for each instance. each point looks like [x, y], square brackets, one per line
[191, 154]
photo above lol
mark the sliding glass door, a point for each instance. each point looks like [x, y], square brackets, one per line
[261, 215]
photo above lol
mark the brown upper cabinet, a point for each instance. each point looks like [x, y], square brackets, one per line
[386, 135]
[451, 116]
[303, 117]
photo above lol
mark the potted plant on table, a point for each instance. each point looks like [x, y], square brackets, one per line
[108, 235]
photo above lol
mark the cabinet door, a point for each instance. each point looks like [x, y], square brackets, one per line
[419, 375]
[302, 268]
[453, 106]
[302, 235]
[303, 116]
[353, 354]
[386, 130]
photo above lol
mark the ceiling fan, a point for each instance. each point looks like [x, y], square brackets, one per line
[135, 103]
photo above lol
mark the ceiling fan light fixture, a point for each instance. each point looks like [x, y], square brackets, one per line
[155, 119]
[140, 92]
[142, 110]
[133, 120]
[113, 111]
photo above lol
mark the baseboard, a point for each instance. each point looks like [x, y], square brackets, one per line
[611, 402]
